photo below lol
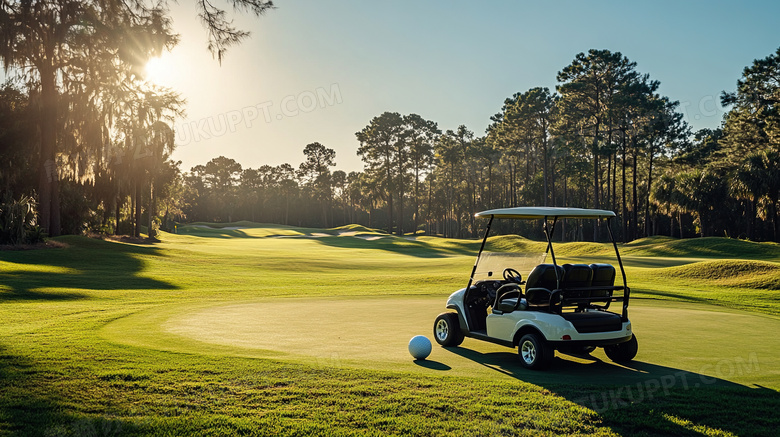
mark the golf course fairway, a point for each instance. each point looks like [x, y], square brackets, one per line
[252, 329]
[373, 333]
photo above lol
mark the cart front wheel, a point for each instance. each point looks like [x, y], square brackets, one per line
[446, 330]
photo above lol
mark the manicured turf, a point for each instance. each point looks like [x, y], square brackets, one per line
[103, 338]
[370, 332]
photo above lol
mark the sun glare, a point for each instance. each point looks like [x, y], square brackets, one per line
[160, 70]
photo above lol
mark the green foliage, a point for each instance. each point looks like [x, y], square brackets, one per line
[17, 222]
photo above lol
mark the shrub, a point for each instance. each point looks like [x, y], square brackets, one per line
[17, 221]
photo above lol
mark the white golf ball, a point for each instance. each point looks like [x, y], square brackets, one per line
[420, 347]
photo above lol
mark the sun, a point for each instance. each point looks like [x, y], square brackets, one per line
[160, 70]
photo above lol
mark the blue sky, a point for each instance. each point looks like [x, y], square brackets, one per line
[320, 70]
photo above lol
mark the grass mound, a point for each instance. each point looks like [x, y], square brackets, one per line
[238, 224]
[650, 241]
[736, 273]
[707, 247]
[247, 229]
[513, 243]
[357, 229]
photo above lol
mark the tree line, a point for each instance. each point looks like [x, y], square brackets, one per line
[604, 138]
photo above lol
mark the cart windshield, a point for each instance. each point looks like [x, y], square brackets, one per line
[491, 265]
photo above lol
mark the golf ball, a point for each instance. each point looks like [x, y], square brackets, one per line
[420, 347]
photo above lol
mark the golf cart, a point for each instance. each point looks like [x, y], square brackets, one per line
[563, 307]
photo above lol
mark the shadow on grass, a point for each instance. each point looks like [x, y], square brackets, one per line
[647, 399]
[403, 246]
[86, 264]
[214, 233]
[433, 365]
[388, 243]
[32, 405]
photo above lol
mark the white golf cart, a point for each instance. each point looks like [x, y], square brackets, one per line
[563, 307]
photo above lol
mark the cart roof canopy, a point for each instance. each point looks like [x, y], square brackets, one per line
[540, 212]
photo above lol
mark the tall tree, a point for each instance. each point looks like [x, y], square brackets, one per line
[587, 87]
[381, 148]
[753, 124]
[760, 174]
[420, 135]
[315, 172]
[42, 40]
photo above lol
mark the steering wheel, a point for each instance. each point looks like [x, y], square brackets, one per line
[512, 275]
[508, 291]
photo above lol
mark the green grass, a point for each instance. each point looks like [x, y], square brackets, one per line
[84, 348]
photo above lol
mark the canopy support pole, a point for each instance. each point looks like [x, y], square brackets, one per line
[481, 248]
[626, 291]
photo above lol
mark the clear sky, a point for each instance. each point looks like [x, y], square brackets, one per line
[320, 70]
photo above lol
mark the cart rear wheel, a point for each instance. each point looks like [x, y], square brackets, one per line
[622, 352]
[534, 352]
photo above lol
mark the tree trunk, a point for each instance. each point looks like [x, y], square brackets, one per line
[400, 204]
[596, 205]
[48, 184]
[545, 163]
[416, 199]
[634, 200]
[609, 183]
[118, 206]
[565, 179]
[614, 203]
[389, 202]
[287, 209]
[595, 193]
[649, 186]
[490, 183]
[624, 210]
[137, 230]
[775, 221]
[152, 210]
[679, 222]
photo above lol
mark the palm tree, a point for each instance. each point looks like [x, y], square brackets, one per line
[760, 176]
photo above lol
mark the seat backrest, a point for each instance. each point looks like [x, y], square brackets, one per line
[543, 276]
[603, 276]
[576, 276]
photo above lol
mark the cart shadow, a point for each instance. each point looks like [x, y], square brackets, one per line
[588, 369]
[646, 398]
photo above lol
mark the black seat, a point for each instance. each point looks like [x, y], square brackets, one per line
[576, 276]
[603, 276]
[540, 284]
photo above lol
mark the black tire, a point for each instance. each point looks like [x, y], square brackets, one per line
[446, 330]
[622, 352]
[534, 351]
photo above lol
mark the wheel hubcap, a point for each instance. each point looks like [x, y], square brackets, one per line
[528, 352]
[442, 330]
